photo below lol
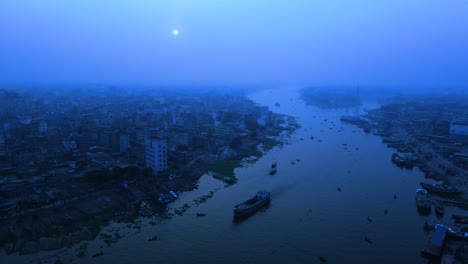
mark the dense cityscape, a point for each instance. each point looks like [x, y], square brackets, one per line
[71, 160]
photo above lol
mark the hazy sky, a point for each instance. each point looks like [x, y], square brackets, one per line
[394, 42]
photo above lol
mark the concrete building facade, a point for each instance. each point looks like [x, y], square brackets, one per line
[156, 155]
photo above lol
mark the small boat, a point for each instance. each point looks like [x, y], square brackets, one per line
[273, 165]
[403, 161]
[273, 171]
[201, 214]
[422, 199]
[252, 205]
[368, 240]
[428, 227]
[439, 209]
[461, 220]
[458, 216]
[457, 234]
[155, 237]
[99, 253]
[173, 194]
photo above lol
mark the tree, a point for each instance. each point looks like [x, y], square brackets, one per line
[251, 123]
[182, 147]
[236, 143]
[147, 171]
[97, 176]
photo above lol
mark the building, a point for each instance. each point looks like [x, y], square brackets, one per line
[181, 139]
[2, 144]
[69, 144]
[459, 131]
[141, 136]
[156, 155]
[83, 141]
[223, 131]
[110, 138]
[435, 245]
[42, 127]
[124, 142]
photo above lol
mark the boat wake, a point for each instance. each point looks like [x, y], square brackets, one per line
[281, 189]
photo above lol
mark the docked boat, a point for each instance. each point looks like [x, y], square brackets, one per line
[252, 205]
[457, 234]
[458, 216]
[404, 161]
[439, 209]
[440, 188]
[422, 199]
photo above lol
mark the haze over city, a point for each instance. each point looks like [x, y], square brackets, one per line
[233, 131]
[390, 43]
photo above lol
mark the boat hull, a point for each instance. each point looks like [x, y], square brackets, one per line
[251, 206]
[244, 213]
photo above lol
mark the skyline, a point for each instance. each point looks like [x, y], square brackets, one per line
[395, 43]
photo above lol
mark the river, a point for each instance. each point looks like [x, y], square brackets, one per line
[308, 216]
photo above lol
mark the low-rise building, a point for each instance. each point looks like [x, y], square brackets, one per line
[124, 142]
[459, 131]
[2, 144]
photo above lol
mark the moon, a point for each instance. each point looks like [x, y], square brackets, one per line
[175, 32]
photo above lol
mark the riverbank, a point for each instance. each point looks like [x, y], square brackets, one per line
[425, 144]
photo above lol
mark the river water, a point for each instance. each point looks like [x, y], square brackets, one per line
[308, 217]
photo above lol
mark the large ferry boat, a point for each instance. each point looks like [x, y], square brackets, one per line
[252, 205]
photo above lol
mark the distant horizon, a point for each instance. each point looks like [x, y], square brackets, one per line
[415, 88]
[390, 43]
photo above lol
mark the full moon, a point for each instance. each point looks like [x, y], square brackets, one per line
[175, 32]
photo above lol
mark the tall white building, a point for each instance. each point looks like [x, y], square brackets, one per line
[156, 155]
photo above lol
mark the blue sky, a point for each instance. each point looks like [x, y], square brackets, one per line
[298, 42]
